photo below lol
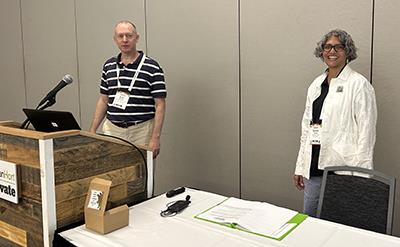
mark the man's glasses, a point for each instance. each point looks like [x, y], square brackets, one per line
[337, 47]
[128, 36]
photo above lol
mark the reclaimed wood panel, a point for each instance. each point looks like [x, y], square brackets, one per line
[76, 171]
[12, 233]
[30, 175]
[30, 225]
[136, 186]
[79, 159]
[27, 214]
[77, 188]
[136, 193]
[70, 211]
[30, 183]
[31, 191]
[19, 150]
[30, 133]
[90, 151]
[26, 207]
[71, 142]
[10, 123]
[73, 211]
[21, 132]
[35, 240]
[111, 139]
[86, 138]
[76, 160]
[7, 243]
[71, 196]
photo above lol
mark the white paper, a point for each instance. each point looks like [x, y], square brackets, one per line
[257, 217]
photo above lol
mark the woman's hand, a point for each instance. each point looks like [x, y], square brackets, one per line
[298, 182]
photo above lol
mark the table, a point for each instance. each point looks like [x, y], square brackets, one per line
[147, 228]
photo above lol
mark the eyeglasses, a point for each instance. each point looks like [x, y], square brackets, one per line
[337, 47]
[128, 36]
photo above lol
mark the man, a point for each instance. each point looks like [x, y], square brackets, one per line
[132, 93]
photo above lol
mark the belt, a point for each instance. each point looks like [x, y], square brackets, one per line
[125, 124]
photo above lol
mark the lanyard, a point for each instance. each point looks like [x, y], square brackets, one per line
[134, 76]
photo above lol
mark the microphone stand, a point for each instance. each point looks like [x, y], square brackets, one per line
[49, 103]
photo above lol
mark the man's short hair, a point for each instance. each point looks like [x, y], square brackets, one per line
[125, 22]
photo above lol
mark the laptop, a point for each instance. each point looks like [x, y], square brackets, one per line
[51, 121]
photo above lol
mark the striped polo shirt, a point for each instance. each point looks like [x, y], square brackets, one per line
[150, 84]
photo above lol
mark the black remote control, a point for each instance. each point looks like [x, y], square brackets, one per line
[175, 192]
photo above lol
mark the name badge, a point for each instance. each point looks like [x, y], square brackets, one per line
[121, 100]
[315, 134]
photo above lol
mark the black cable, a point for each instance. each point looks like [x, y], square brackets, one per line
[49, 103]
[141, 154]
[175, 207]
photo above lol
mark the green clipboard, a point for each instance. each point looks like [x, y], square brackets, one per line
[296, 220]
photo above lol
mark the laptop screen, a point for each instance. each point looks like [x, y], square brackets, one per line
[51, 121]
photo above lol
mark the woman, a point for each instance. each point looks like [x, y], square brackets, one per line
[338, 125]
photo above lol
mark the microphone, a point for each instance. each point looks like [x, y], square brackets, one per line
[67, 79]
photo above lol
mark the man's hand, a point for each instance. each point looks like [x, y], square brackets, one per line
[298, 182]
[155, 146]
[100, 112]
[158, 123]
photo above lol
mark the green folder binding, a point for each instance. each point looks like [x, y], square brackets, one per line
[237, 210]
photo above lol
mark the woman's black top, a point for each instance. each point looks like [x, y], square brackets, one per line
[316, 113]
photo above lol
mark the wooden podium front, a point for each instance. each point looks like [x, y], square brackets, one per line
[55, 170]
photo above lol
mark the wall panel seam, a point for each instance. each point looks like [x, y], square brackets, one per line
[77, 63]
[240, 98]
[372, 41]
[23, 53]
[145, 25]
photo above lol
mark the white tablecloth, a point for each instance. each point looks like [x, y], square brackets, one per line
[148, 229]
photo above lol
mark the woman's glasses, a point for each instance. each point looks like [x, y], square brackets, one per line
[337, 47]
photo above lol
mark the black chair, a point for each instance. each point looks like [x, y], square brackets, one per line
[364, 199]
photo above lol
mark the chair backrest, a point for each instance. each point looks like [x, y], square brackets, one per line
[364, 200]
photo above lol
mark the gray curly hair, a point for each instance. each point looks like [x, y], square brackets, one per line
[345, 39]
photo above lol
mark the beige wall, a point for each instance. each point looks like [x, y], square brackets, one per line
[237, 73]
[12, 93]
[385, 78]
[49, 41]
[199, 53]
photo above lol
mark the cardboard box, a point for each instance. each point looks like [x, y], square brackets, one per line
[96, 216]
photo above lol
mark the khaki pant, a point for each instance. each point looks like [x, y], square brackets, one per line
[137, 134]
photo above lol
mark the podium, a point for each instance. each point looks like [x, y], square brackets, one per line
[54, 173]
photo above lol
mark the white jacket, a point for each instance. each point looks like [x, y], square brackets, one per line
[348, 123]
